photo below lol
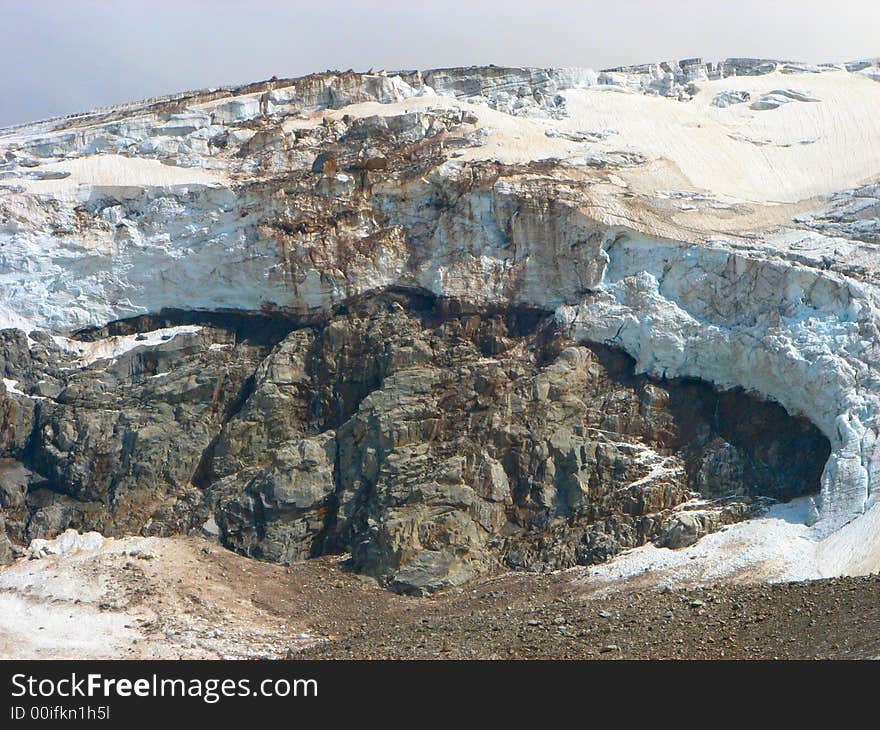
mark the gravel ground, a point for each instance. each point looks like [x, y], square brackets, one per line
[194, 599]
[548, 617]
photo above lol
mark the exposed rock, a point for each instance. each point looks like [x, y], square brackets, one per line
[468, 443]
[278, 512]
[434, 442]
[116, 448]
[325, 162]
[6, 547]
[685, 528]
[851, 214]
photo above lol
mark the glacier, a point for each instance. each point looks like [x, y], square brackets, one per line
[714, 220]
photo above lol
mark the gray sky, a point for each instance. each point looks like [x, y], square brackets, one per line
[63, 56]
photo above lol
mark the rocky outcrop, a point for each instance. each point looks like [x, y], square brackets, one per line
[434, 442]
[112, 446]
[448, 322]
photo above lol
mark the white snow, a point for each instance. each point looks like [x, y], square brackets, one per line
[11, 386]
[658, 468]
[69, 541]
[9, 319]
[38, 629]
[114, 171]
[112, 347]
[777, 546]
[90, 597]
[708, 145]
[49, 610]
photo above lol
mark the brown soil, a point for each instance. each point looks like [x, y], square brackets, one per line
[523, 616]
[192, 598]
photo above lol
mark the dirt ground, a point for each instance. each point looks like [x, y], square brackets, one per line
[190, 598]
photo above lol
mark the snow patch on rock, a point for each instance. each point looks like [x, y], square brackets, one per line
[777, 546]
[114, 346]
[68, 541]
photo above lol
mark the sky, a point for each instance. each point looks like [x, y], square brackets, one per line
[64, 56]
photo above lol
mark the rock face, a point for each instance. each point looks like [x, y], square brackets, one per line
[432, 441]
[114, 445]
[436, 446]
[449, 322]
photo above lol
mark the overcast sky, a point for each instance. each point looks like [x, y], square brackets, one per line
[64, 56]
